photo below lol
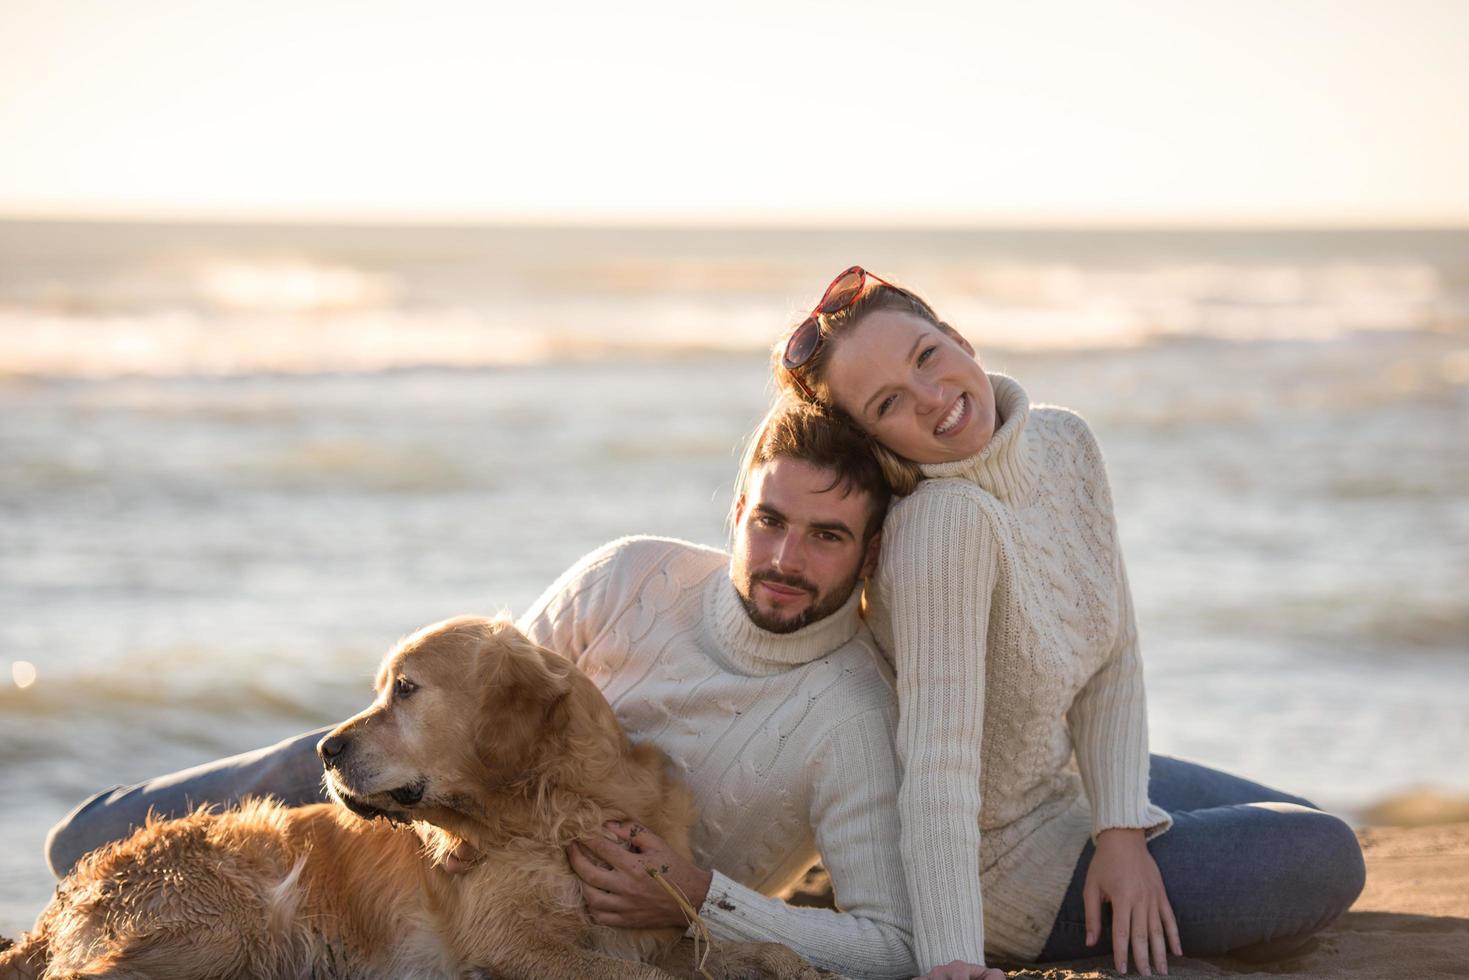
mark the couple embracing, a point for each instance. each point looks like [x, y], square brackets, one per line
[918, 664]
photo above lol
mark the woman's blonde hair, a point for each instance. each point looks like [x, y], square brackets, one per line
[808, 383]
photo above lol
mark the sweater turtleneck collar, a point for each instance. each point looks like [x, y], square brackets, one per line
[732, 638]
[1003, 467]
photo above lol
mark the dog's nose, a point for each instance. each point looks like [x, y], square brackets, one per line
[331, 748]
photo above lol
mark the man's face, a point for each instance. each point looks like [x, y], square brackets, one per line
[798, 550]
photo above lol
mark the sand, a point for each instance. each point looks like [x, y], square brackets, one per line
[1410, 923]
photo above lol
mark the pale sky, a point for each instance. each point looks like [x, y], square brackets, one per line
[1149, 111]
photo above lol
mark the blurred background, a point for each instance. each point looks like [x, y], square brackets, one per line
[322, 321]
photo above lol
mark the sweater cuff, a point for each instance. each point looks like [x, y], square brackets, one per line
[735, 913]
[1153, 820]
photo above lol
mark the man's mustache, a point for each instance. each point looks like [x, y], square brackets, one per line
[780, 578]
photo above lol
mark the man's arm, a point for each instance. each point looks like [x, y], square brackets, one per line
[855, 818]
[940, 566]
[853, 792]
[566, 618]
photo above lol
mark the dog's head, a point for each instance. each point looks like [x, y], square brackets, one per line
[465, 708]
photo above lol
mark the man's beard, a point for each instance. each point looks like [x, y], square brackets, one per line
[821, 606]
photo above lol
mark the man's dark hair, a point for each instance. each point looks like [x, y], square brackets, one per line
[799, 430]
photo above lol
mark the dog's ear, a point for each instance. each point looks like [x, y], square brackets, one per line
[522, 686]
[520, 668]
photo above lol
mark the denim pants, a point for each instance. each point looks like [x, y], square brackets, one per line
[288, 771]
[1250, 871]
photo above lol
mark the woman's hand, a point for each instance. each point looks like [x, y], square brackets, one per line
[1124, 874]
[618, 884]
[959, 970]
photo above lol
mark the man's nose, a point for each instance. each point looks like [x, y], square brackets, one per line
[788, 556]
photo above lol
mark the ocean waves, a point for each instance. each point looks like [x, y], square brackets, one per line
[219, 301]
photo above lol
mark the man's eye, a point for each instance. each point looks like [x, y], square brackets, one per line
[927, 353]
[887, 403]
[402, 687]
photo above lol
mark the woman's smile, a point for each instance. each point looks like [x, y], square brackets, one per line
[956, 417]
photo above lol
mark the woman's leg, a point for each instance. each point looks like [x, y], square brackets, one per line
[288, 771]
[1176, 786]
[1253, 878]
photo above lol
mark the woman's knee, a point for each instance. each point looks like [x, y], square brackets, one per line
[1320, 871]
[1337, 856]
[1258, 875]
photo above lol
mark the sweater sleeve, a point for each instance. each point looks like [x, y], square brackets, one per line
[1109, 729]
[938, 572]
[854, 782]
[1109, 717]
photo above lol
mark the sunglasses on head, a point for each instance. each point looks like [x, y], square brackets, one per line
[806, 339]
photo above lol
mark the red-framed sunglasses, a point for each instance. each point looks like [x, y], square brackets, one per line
[806, 339]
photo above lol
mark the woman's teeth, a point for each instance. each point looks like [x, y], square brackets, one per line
[953, 417]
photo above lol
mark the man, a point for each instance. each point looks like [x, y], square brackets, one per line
[753, 672]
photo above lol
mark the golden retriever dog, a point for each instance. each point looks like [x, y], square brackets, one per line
[476, 736]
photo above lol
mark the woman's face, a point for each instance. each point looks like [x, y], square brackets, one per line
[913, 387]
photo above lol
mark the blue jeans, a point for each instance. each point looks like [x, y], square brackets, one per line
[1250, 871]
[288, 771]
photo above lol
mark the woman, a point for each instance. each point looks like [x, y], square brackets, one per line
[1002, 600]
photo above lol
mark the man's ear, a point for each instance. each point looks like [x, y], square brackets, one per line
[869, 556]
[739, 510]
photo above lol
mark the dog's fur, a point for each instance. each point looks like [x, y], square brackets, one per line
[476, 736]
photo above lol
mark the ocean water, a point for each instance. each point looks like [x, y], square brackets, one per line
[236, 463]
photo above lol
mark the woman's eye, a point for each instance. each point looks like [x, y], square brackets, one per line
[887, 403]
[927, 353]
[402, 687]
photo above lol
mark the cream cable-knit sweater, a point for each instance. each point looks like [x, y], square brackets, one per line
[785, 740]
[1002, 599]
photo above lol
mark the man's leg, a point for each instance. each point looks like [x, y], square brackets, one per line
[1248, 876]
[288, 771]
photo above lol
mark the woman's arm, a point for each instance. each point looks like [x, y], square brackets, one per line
[1109, 718]
[939, 567]
[1109, 730]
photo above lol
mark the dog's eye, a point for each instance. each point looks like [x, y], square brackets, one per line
[402, 687]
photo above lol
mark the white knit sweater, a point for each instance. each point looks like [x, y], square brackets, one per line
[785, 740]
[1002, 599]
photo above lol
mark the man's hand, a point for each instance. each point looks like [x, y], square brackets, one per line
[1124, 874]
[459, 860]
[616, 883]
[959, 970]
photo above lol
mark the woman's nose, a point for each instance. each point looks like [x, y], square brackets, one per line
[928, 397]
